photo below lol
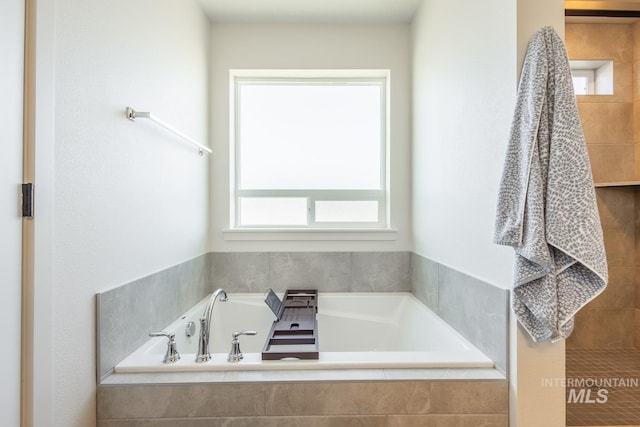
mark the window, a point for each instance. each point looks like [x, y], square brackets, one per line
[309, 150]
[583, 82]
[592, 77]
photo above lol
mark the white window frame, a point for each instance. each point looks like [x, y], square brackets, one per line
[590, 75]
[379, 77]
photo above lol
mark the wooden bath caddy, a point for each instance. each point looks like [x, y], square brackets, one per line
[295, 333]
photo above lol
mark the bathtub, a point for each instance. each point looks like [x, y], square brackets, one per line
[355, 331]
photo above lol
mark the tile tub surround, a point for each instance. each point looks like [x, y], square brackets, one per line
[325, 271]
[477, 310]
[125, 315]
[385, 403]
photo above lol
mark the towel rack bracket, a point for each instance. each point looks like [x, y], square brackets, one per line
[131, 114]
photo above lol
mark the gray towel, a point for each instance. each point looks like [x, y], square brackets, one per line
[546, 206]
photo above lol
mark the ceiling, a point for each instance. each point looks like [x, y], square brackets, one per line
[360, 11]
[339, 11]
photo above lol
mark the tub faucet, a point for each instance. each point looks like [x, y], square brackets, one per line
[205, 326]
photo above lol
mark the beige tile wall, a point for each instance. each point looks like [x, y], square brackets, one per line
[635, 30]
[635, 34]
[454, 403]
[613, 141]
[637, 326]
[608, 320]
[607, 120]
[637, 270]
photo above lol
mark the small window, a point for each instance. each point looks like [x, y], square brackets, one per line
[592, 77]
[583, 82]
[309, 151]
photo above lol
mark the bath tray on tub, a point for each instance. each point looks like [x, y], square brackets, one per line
[295, 333]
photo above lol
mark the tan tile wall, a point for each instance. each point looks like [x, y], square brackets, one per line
[635, 30]
[637, 326]
[608, 320]
[454, 403]
[613, 143]
[607, 120]
[635, 34]
[637, 270]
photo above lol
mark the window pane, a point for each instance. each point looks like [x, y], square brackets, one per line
[580, 85]
[310, 136]
[347, 211]
[273, 211]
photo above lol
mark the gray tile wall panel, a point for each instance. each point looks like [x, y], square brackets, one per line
[126, 314]
[424, 280]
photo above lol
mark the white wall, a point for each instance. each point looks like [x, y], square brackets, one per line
[11, 86]
[39, 149]
[130, 199]
[467, 59]
[315, 46]
[464, 65]
[532, 405]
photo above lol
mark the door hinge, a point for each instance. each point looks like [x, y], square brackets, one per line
[27, 200]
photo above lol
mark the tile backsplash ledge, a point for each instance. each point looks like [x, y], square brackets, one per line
[125, 315]
[477, 310]
[325, 271]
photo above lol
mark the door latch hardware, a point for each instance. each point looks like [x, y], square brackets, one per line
[27, 200]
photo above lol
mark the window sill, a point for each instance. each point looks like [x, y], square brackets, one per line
[327, 234]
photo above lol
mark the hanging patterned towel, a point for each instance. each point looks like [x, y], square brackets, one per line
[546, 205]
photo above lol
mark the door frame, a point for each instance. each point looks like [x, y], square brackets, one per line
[38, 245]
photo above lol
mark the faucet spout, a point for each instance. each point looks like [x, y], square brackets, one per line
[205, 326]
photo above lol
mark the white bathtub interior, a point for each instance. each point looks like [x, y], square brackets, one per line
[355, 330]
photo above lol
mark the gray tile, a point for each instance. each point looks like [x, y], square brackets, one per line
[304, 375]
[472, 374]
[467, 420]
[126, 314]
[179, 401]
[193, 282]
[284, 399]
[375, 398]
[424, 280]
[325, 271]
[240, 271]
[323, 421]
[469, 397]
[186, 422]
[477, 310]
[329, 421]
[380, 272]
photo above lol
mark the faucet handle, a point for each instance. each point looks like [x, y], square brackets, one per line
[235, 355]
[172, 354]
[235, 335]
[169, 335]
